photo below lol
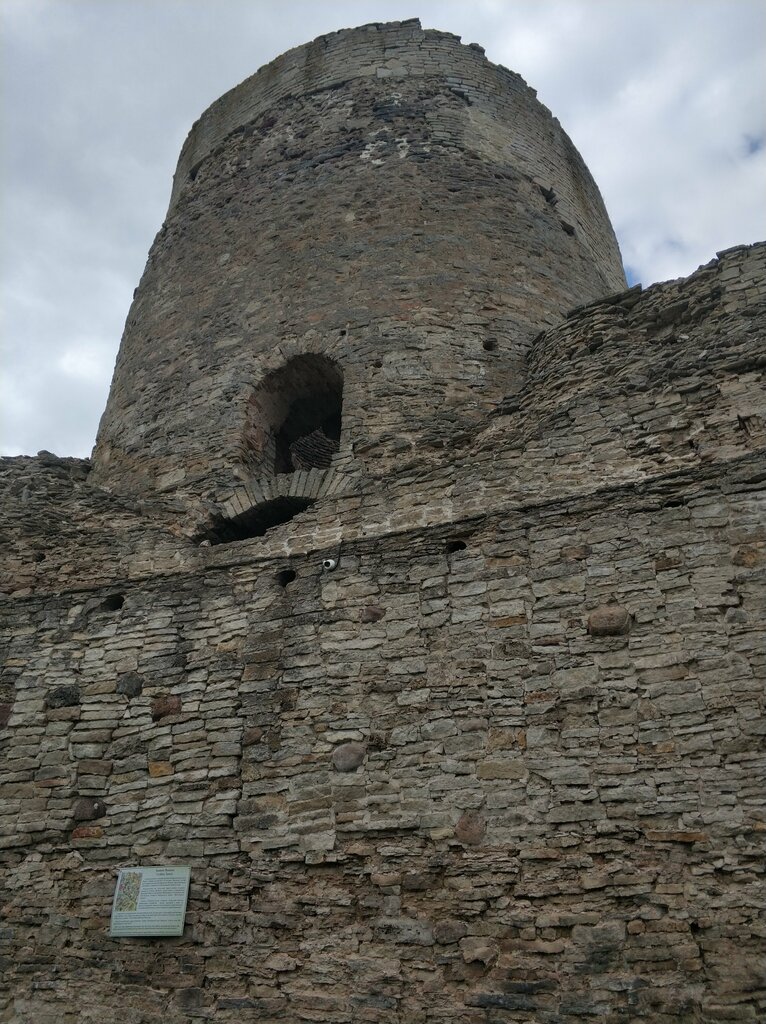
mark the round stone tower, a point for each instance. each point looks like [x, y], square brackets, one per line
[362, 239]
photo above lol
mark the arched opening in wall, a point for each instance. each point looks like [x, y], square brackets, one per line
[295, 416]
[257, 521]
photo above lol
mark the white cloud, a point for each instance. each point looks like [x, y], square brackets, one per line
[87, 361]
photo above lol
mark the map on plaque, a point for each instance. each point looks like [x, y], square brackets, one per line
[150, 901]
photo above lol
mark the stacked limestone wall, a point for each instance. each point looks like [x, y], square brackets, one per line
[541, 821]
[504, 762]
[421, 787]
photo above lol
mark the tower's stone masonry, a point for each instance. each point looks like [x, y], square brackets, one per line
[384, 197]
[503, 762]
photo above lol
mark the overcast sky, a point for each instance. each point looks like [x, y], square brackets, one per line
[664, 99]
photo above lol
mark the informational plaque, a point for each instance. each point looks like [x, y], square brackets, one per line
[150, 901]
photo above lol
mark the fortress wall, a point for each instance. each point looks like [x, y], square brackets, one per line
[638, 404]
[641, 384]
[645, 407]
[677, 332]
[532, 813]
[502, 763]
[543, 823]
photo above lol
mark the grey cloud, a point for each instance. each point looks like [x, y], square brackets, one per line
[661, 98]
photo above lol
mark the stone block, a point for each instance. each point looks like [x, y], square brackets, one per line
[511, 768]
[87, 832]
[63, 697]
[130, 684]
[88, 809]
[372, 613]
[478, 950]
[470, 828]
[164, 706]
[449, 931]
[609, 620]
[675, 836]
[348, 756]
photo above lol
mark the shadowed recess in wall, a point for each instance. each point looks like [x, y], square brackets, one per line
[257, 521]
[295, 416]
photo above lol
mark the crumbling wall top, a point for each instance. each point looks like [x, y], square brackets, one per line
[398, 49]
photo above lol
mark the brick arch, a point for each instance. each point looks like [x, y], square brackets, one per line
[304, 484]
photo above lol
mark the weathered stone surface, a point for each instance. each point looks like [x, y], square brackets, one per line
[372, 613]
[609, 936]
[477, 950]
[506, 769]
[405, 930]
[348, 756]
[548, 825]
[609, 620]
[501, 1001]
[675, 836]
[87, 832]
[169, 704]
[88, 766]
[63, 697]
[470, 828]
[130, 683]
[88, 809]
[449, 931]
